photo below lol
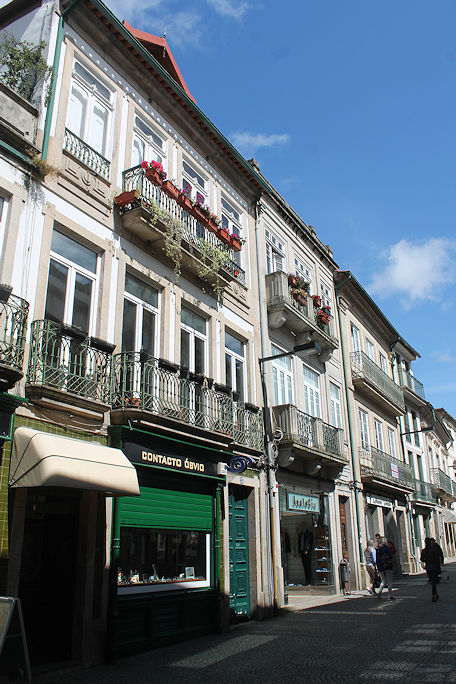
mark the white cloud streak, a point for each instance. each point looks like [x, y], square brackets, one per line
[417, 271]
[249, 143]
[228, 9]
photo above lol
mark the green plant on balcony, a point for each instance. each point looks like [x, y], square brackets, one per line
[212, 260]
[23, 65]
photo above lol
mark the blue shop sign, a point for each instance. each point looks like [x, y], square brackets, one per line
[303, 503]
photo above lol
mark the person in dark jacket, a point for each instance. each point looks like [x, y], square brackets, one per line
[431, 556]
[384, 559]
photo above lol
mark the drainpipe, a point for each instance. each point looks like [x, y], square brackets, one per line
[270, 472]
[55, 68]
[356, 482]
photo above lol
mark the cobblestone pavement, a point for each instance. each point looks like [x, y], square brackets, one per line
[362, 639]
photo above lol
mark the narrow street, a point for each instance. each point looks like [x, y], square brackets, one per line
[361, 639]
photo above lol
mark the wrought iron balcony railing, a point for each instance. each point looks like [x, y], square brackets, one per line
[192, 231]
[424, 491]
[65, 359]
[365, 369]
[86, 154]
[409, 380]
[443, 483]
[13, 328]
[140, 382]
[378, 464]
[310, 432]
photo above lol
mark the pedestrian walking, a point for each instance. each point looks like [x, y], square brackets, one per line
[384, 560]
[371, 568]
[431, 556]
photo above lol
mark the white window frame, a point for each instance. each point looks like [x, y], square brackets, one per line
[392, 442]
[355, 338]
[275, 252]
[336, 405]
[379, 442]
[152, 151]
[325, 292]
[197, 189]
[370, 349]
[383, 361]
[93, 97]
[282, 378]
[311, 392]
[364, 429]
[141, 306]
[303, 270]
[234, 356]
[232, 221]
[195, 334]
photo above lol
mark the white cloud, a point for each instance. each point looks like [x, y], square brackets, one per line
[228, 9]
[417, 271]
[444, 357]
[249, 143]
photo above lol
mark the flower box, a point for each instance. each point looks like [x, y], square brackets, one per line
[223, 235]
[235, 243]
[124, 198]
[200, 215]
[316, 300]
[323, 317]
[185, 202]
[293, 280]
[170, 189]
[212, 226]
[154, 176]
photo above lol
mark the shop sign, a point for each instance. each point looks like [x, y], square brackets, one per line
[145, 456]
[378, 501]
[394, 470]
[303, 503]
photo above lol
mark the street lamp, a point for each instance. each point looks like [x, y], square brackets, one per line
[300, 350]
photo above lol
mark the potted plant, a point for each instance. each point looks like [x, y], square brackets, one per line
[293, 280]
[101, 345]
[236, 242]
[126, 197]
[223, 234]
[184, 199]
[154, 172]
[5, 291]
[168, 365]
[213, 223]
[223, 389]
[170, 189]
[323, 317]
[316, 301]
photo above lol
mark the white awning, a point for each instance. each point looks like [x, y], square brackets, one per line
[448, 516]
[41, 459]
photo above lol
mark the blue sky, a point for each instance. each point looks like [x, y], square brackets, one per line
[350, 109]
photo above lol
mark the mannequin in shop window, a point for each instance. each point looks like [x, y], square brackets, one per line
[305, 545]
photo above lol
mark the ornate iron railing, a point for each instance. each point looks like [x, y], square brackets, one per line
[423, 492]
[442, 481]
[382, 465]
[86, 154]
[311, 432]
[363, 367]
[140, 382]
[66, 359]
[192, 231]
[13, 328]
[409, 380]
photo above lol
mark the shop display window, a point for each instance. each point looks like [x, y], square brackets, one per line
[160, 560]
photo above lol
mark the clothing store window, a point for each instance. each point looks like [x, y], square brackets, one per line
[364, 429]
[148, 145]
[336, 410]
[378, 426]
[193, 341]
[311, 392]
[275, 253]
[282, 378]
[235, 364]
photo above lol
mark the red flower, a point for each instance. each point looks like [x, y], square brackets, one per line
[144, 165]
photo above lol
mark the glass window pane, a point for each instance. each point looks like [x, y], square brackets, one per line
[129, 326]
[96, 135]
[234, 344]
[194, 321]
[239, 370]
[73, 251]
[193, 174]
[82, 302]
[148, 331]
[144, 128]
[285, 361]
[185, 349]
[230, 209]
[77, 110]
[289, 390]
[228, 370]
[200, 366]
[138, 153]
[276, 386]
[56, 291]
[92, 81]
[138, 288]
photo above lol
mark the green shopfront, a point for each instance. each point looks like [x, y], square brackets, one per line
[165, 561]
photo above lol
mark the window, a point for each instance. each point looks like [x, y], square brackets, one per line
[193, 184]
[235, 364]
[336, 411]
[370, 351]
[282, 378]
[416, 427]
[407, 430]
[275, 253]
[301, 269]
[90, 109]
[383, 362]
[193, 341]
[392, 442]
[71, 283]
[325, 295]
[3, 213]
[364, 430]
[378, 425]
[139, 316]
[311, 393]
[147, 144]
[355, 343]
[231, 221]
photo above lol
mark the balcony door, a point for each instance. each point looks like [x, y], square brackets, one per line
[194, 360]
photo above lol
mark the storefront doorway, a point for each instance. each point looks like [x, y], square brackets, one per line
[239, 553]
[48, 573]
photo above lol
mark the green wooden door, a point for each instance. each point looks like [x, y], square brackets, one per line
[239, 554]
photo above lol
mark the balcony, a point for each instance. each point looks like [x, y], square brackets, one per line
[81, 151]
[444, 487]
[423, 493]
[308, 443]
[301, 319]
[13, 327]
[156, 391]
[376, 384]
[149, 216]
[381, 468]
[68, 368]
[413, 389]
